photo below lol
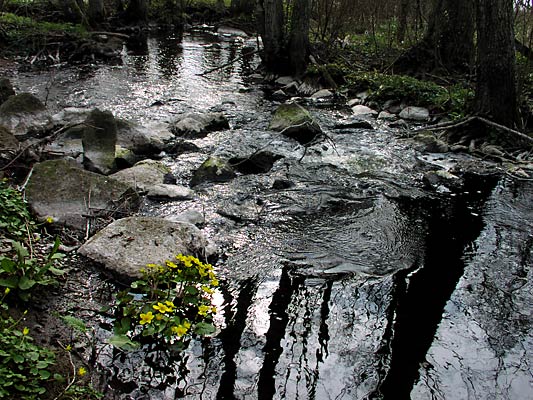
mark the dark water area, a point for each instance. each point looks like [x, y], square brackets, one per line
[353, 282]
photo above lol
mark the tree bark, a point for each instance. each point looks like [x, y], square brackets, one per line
[448, 42]
[137, 11]
[271, 21]
[95, 12]
[496, 96]
[299, 36]
[402, 20]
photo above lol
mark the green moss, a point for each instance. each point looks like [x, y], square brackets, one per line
[289, 115]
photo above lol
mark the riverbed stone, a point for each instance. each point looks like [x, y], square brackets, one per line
[386, 116]
[149, 176]
[6, 90]
[415, 113]
[71, 196]
[198, 125]
[71, 116]
[9, 146]
[322, 94]
[214, 169]
[127, 245]
[284, 80]
[361, 110]
[149, 139]
[428, 142]
[99, 139]
[24, 115]
[294, 121]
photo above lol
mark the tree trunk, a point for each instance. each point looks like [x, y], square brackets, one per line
[95, 12]
[402, 20]
[496, 96]
[299, 36]
[242, 7]
[137, 12]
[448, 42]
[270, 26]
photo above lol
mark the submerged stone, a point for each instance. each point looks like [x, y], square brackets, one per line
[214, 169]
[197, 125]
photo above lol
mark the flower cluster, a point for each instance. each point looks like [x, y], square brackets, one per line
[171, 301]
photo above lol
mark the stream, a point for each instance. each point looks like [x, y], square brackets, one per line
[342, 275]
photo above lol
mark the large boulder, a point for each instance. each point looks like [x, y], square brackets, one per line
[150, 139]
[149, 176]
[6, 90]
[214, 169]
[294, 121]
[415, 113]
[128, 244]
[24, 114]
[198, 125]
[72, 196]
[99, 138]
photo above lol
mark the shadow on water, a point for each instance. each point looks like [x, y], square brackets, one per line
[421, 295]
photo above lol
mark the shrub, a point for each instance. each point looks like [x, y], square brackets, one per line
[170, 303]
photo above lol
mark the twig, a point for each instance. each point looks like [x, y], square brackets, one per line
[116, 34]
[73, 380]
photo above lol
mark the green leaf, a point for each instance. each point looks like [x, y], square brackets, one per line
[20, 249]
[12, 282]
[18, 358]
[57, 271]
[26, 283]
[75, 323]
[123, 342]
[45, 374]
[122, 326]
[203, 328]
[8, 265]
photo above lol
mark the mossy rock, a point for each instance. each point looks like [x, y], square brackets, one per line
[22, 103]
[294, 121]
[7, 140]
[99, 139]
[214, 169]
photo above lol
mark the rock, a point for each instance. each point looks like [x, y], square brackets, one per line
[99, 138]
[71, 116]
[307, 88]
[386, 116]
[354, 124]
[149, 176]
[128, 244]
[257, 163]
[430, 144]
[24, 114]
[322, 94]
[361, 110]
[279, 95]
[196, 125]
[362, 95]
[294, 121]
[415, 113]
[70, 195]
[442, 180]
[6, 90]
[194, 217]
[399, 124]
[213, 169]
[392, 106]
[353, 102]
[280, 184]
[8, 142]
[9, 146]
[284, 80]
[125, 158]
[228, 31]
[144, 140]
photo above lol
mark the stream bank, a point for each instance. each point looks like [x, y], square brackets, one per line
[345, 273]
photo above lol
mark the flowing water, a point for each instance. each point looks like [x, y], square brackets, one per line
[351, 282]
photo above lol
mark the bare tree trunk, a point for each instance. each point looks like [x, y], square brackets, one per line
[496, 96]
[95, 12]
[448, 42]
[137, 11]
[271, 21]
[402, 20]
[299, 36]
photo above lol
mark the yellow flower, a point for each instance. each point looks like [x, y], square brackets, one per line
[208, 290]
[68, 347]
[81, 371]
[170, 305]
[159, 317]
[25, 331]
[146, 318]
[181, 329]
[49, 219]
[214, 310]
[7, 290]
[203, 310]
[170, 264]
[162, 308]
[152, 265]
[214, 282]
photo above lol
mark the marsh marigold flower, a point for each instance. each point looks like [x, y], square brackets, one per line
[146, 318]
[81, 371]
[162, 308]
